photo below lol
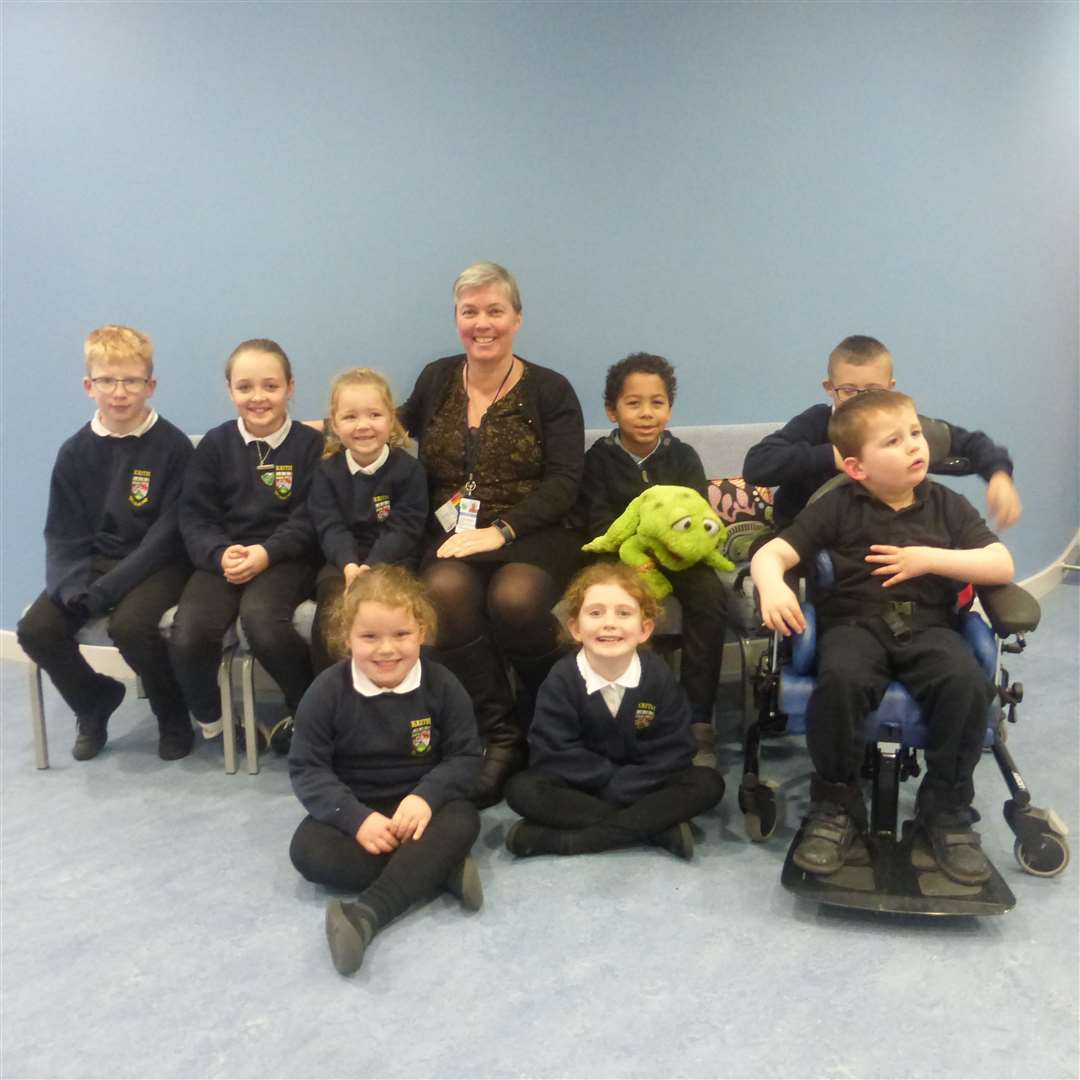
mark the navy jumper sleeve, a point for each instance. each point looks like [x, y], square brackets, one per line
[324, 795]
[556, 738]
[69, 537]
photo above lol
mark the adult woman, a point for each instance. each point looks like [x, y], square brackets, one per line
[502, 441]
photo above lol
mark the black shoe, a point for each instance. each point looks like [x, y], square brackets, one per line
[175, 738]
[496, 767]
[281, 736]
[348, 934]
[957, 850]
[524, 838]
[262, 738]
[827, 837]
[679, 840]
[464, 883]
[92, 727]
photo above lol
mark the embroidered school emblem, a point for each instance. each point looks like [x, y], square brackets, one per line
[421, 735]
[644, 715]
[382, 507]
[282, 481]
[140, 487]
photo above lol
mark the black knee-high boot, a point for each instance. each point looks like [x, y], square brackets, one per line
[531, 672]
[484, 677]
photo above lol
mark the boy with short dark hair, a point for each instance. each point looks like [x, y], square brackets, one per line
[112, 545]
[799, 457]
[639, 453]
[900, 545]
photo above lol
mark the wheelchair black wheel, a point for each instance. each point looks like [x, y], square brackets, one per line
[761, 818]
[1046, 859]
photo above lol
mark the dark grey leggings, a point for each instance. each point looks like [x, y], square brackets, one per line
[387, 884]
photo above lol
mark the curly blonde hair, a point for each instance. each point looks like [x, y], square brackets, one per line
[361, 376]
[392, 586]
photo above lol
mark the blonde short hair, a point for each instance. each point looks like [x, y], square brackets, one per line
[392, 586]
[859, 350]
[115, 342]
[851, 425]
[361, 376]
[487, 273]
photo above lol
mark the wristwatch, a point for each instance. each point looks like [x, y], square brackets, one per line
[507, 532]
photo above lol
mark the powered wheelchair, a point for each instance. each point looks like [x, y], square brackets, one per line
[893, 871]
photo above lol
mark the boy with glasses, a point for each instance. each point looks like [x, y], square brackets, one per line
[799, 457]
[112, 545]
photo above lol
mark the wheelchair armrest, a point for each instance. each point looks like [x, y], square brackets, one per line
[1010, 609]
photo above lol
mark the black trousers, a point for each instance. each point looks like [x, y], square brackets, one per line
[387, 884]
[47, 634]
[592, 824]
[703, 598]
[265, 606]
[939, 670]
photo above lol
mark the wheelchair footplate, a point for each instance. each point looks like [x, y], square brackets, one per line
[896, 876]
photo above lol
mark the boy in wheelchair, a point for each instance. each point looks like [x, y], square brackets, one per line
[900, 546]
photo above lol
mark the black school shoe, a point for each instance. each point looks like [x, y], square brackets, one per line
[175, 738]
[957, 848]
[827, 838]
[464, 883]
[679, 840]
[281, 736]
[92, 727]
[348, 933]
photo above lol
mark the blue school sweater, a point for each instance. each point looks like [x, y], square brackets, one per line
[369, 519]
[227, 499]
[115, 497]
[347, 748]
[619, 758]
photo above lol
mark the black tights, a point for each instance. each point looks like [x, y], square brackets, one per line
[387, 884]
[512, 601]
[578, 823]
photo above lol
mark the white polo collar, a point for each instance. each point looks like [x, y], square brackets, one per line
[98, 428]
[273, 440]
[363, 685]
[593, 681]
[367, 470]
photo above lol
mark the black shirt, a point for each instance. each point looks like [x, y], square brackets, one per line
[848, 519]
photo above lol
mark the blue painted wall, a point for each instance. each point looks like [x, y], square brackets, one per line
[737, 186]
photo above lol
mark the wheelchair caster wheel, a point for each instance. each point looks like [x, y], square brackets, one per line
[760, 804]
[1046, 858]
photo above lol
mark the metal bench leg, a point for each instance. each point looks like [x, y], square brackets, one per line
[228, 731]
[37, 716]
[247, 693]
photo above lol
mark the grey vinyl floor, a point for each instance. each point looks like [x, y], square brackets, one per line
[152, 925]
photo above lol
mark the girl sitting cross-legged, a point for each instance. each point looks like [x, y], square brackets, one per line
[610, 744]
[384, 751]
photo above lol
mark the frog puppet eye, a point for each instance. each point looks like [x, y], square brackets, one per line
[682, 525]
[710, 526]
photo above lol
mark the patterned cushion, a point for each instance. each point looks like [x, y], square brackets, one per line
[745, 510]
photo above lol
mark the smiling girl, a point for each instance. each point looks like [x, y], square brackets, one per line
[247, 531]
[369, 499]
[383, 754]
[610, 747]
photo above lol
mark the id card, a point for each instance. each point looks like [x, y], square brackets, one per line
[447, 514]
[467, 510]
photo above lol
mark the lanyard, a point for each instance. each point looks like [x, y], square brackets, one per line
[471, 434]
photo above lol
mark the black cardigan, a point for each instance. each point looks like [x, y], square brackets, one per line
[551, 407]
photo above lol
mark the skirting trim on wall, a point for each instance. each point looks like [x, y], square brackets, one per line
[108, 660]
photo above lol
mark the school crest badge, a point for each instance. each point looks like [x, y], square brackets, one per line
[283, 481]
[382, 507]
[140, 487]
[421, 735]
[644, 715]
